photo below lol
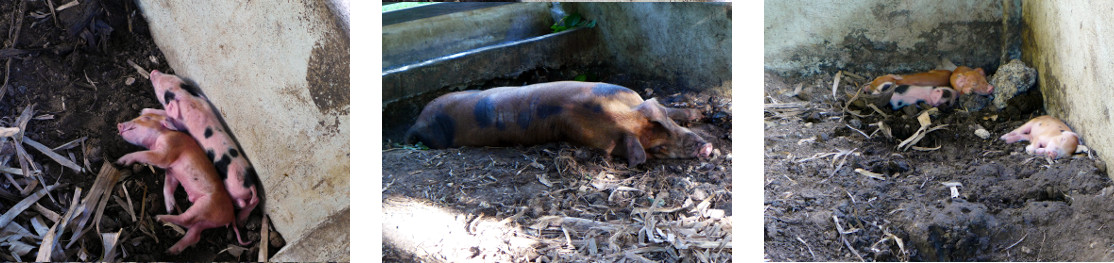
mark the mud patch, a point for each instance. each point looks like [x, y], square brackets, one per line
[327, 75]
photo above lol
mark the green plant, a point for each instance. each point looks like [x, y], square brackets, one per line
[572, 21]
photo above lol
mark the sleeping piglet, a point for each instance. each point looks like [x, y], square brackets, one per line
[186, 165]
[609, 117]
[1048, 136]
[188, 110]
[906, 95]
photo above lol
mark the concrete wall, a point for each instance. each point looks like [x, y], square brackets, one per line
[423, 39]
[1068, 42]
[688, 43]
[278, 71]
[812, 37]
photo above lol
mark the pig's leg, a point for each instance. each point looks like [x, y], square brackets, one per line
[1037, 146]
[147, 157]
[192, 236]
[1019, 134]
[168, 192]
[245, 211]
[634, 152]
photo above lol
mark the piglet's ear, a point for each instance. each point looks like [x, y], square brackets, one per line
[635, 153]
[166, 123]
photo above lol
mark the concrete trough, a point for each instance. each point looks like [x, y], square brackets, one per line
[278, 72]
[474, 43]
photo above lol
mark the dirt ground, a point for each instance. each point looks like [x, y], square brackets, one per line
[82, 84]
[1011, 206]
[631, 210]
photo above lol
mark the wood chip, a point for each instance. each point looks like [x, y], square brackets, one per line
[67, 5]
[142, 72]
[264, 238]
[9, 131]
[870, 174]
[51, 215]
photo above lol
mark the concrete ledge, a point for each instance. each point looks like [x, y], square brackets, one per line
[278, 72]
[459, 28]
[554, 50]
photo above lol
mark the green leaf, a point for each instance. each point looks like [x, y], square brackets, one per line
[591, 24]
[573, 20]
[581, 77]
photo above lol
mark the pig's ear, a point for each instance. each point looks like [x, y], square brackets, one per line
[168, 124]
[154, 111]
[635, 153]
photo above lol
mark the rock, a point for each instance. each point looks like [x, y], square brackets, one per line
[982, 133]
[1011, 80]
[856, 123]
[974, 102]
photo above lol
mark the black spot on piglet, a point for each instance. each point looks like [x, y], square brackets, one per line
[222, 166]
[209, 153]
[167, 97]
[208, 132]
[233, 152]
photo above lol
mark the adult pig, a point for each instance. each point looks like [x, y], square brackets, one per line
[188, 110]
[1048, 136]
[185, 165]
[599, 115]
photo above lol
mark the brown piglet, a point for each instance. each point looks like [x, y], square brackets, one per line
[185, 165]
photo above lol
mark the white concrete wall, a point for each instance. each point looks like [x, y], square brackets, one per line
[1068, 42]
[686, 43]
[278, 71]
[810, 37]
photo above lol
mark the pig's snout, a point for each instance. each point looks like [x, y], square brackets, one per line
[704, 151]
[155, 73]
[122, 127]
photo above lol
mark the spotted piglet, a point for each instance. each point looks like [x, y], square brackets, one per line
[185, 165]
[906, 95]
[188, 110]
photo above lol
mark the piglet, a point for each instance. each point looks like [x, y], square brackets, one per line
[967, 80]
[905, 95]
[937, 77]
[1048, 136]
[185, 165]
[188, 110]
